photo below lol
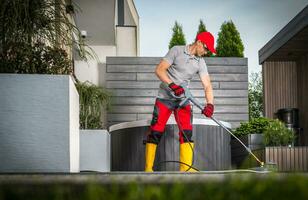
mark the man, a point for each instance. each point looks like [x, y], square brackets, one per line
[179, 65]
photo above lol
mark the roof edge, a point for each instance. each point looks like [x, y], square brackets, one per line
[284, 35]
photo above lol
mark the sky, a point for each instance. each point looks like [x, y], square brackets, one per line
[256, 20]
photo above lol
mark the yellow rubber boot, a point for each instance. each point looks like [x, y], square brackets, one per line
[150, 150]
[186, 155]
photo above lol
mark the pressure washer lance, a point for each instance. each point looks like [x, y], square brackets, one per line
[189, 97]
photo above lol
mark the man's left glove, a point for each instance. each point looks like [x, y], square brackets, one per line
[208, 110]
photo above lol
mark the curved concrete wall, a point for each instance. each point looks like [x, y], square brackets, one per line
[212, 146]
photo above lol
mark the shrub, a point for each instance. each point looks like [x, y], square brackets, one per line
[192, 187]
[255, 96]
[178, 37]
[92, 99]
[38, 58]
[257, 125]
[202, 28]
[36, 36]
[277, 134]
[229, 42]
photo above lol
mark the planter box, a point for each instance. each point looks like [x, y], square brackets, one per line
[239, 153]
[288, 159]
[94, 150]
[39, 123]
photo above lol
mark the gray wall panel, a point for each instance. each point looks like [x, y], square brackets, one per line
[233, 85]
[220, 61]
[130, 68]
[227, 69]
[134, 85]
[121, 76]
[214, 77]
[151, 101]
[196, 93]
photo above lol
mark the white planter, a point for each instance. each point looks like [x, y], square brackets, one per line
[39, 123]
[94, 150]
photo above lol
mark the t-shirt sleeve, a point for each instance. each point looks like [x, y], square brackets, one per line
[170, 56]
[202, 68]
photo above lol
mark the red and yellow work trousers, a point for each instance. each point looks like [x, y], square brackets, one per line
[183, 116]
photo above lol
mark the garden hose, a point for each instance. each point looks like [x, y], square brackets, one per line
[175, 161]
[188, 97]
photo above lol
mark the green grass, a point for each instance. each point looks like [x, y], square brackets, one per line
[252, 188]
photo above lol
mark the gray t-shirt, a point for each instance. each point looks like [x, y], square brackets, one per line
[183, 67]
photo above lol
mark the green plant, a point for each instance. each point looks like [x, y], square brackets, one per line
[35, 59]
[254, 126]
[202, 28]
[237, 186]
[255, 96]
[229, 42]
[92, 99]
[39, 33]
[178, 37]
[277, 134]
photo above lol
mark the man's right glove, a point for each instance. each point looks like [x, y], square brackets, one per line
[208, 110]
[177, 89]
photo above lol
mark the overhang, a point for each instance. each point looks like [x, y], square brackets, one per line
[290, 43]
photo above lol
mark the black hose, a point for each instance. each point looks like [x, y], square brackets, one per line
[192, 149]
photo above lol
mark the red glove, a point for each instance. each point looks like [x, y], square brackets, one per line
[208, 110]
[177, 89]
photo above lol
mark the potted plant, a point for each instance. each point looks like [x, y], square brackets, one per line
[280, 149]
[39, 104]
[277, 134]
[94, 139]
[251, 134]
[92, 100]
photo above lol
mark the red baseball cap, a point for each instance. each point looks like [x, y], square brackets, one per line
[208, 39]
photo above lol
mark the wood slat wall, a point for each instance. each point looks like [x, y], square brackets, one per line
[303, 97]
[134, 86]
[288, 159]
[279, 86]
[285, 84]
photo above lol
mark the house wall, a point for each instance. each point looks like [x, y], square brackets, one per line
[135, 86]
[302, 64]
[285, 85]
[97, 17]
[126, 41]
[94, 70]
[128, 15]
[133, 20]
[279, 86]
[104, 37]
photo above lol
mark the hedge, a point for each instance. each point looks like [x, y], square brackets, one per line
[253, 188]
